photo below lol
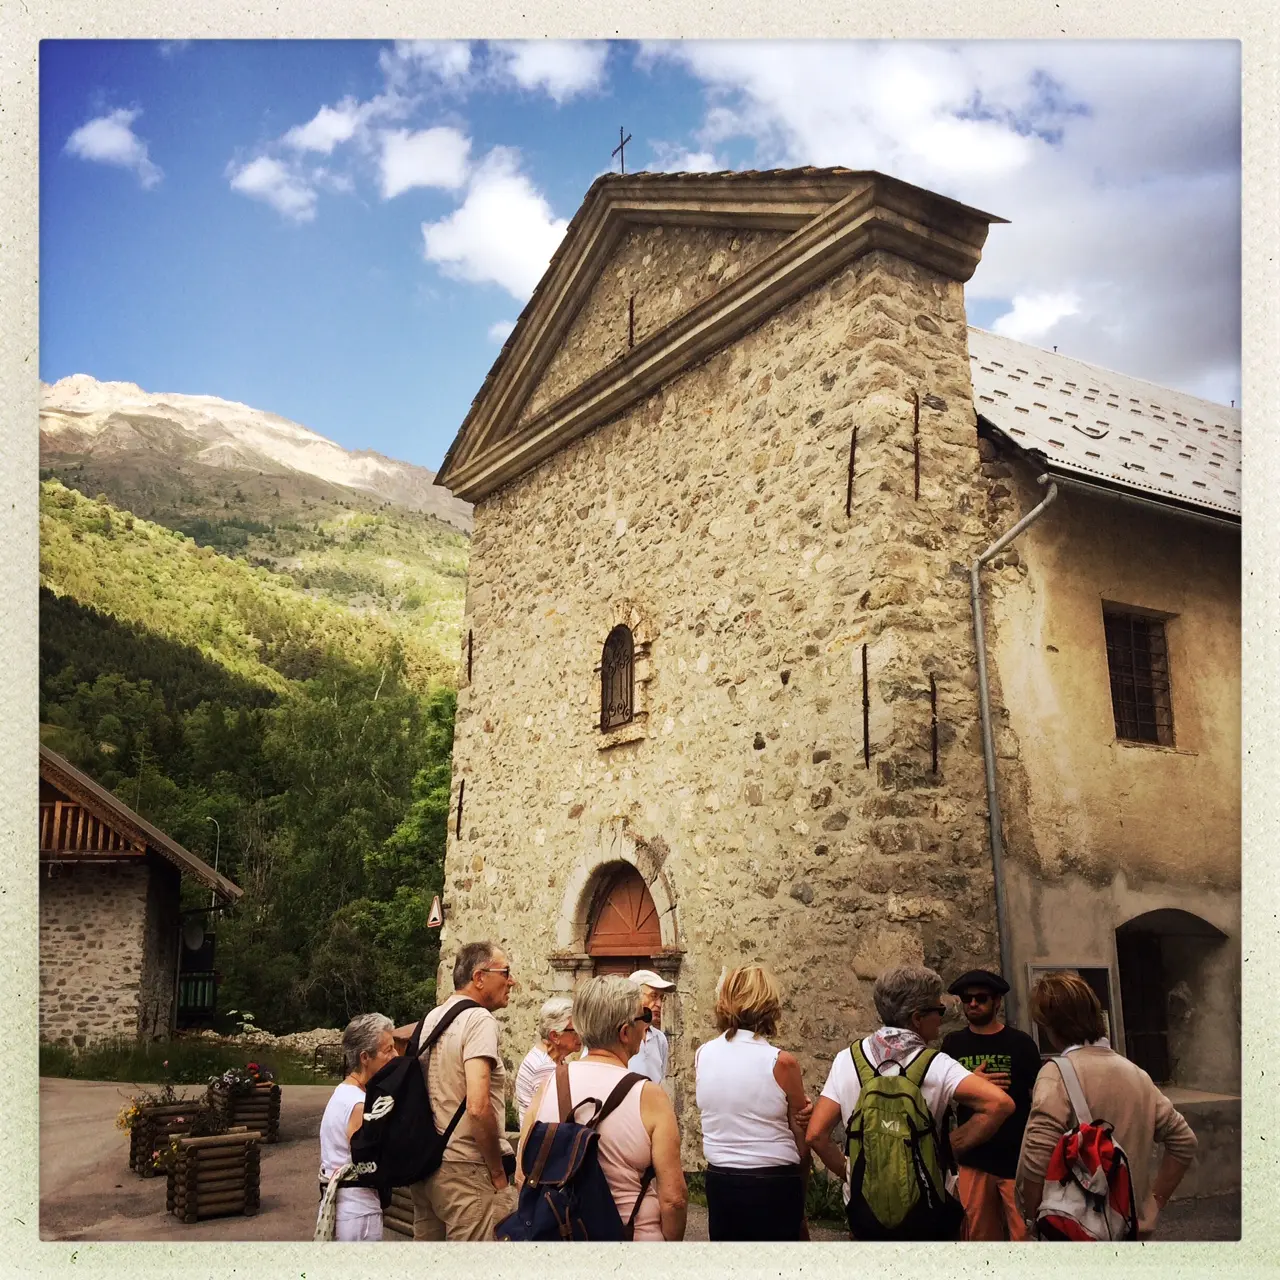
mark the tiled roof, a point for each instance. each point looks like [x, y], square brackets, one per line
[1108, 427]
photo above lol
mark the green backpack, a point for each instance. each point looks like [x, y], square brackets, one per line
[896, 1171]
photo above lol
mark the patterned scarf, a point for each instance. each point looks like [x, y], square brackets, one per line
[327, 1220]
[898, 1043]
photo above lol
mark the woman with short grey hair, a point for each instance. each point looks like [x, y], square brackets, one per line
[908, 1000]
[557, 1039]
[899, 993]
[367, 1046]
[640, 1139]
[555, 1015]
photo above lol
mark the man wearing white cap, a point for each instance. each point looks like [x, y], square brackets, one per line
[651, 1058]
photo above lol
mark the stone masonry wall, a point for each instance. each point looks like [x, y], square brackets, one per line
[92, 923]
[711, 517]
[667, 273]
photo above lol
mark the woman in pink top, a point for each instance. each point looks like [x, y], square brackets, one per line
[608, 1015]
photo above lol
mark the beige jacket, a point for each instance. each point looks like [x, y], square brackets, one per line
[1121, 1093]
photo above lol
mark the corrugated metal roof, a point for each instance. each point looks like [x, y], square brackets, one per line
[1108, 426]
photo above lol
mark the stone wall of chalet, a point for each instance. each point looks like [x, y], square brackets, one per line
[92, 930]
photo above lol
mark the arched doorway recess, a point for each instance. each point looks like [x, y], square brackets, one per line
[1172, 988]
[623, 932]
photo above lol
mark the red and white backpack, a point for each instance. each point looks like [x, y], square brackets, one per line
[1088, 1193]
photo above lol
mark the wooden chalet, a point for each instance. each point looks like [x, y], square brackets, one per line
[112, 936]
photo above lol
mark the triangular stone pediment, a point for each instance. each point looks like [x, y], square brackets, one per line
[656, 273]
[704, 257]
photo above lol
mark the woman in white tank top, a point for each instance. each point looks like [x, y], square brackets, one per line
[641, 1131]
[367, 1045]
[754, 1111]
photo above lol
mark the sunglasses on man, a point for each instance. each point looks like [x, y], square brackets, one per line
[976, 997]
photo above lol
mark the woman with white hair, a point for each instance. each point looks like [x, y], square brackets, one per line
[557, 1040]
[640, 1139]
[367, 1046]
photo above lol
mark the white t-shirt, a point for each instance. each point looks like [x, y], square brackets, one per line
[651, 1059]
[938, 1087]
[535, 1068]
[335, 1151]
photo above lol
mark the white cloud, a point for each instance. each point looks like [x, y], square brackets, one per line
[343, 183]
[672, 158]
[500, 331]
[267, 179]
[447, 62]
[430, 158]
[503, 233]
[1034, 315]
[110, 139]
[327, 128]
[562, 68]
[171, 48]
[1117, 164]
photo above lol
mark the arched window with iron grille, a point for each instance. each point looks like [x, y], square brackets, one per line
[617, 679]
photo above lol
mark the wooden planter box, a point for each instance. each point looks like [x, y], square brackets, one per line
[214, 1177]
[398, 1215]
[259, 1108]
[152, 1128]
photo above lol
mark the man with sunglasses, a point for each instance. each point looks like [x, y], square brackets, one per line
[470, 1193]
[1010, 1059]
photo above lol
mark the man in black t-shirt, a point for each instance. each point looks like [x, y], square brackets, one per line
[1008, 1058]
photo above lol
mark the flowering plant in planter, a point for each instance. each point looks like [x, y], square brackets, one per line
[236, 1080]
[133, 1107]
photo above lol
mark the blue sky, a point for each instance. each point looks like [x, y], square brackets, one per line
[343, 232]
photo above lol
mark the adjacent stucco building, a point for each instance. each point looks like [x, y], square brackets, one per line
[110, 915]
[720, 698]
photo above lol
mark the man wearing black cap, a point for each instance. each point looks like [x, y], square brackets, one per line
[1008, 1058]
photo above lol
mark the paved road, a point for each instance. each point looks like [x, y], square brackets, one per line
[88, 1193]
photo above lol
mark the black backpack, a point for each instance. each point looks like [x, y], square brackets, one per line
[397, 1142]
[565, 1195]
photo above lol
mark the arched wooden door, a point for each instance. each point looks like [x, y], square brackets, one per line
[624, 934]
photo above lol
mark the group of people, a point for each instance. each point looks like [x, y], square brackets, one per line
[995, 1110]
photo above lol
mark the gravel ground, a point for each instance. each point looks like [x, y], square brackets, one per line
[88, 1193]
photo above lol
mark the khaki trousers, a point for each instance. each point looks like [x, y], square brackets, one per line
[990, 1210]
[458, 1202]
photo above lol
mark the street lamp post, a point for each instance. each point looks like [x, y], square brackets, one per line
[217, 847]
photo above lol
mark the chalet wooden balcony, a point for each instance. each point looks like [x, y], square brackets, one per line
[68, 830]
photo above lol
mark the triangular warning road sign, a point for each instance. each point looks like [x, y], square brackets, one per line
[435, 918]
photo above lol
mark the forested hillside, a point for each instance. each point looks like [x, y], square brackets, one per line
[199, 686]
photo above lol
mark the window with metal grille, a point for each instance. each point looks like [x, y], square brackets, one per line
[1138, 660]
[617, 679]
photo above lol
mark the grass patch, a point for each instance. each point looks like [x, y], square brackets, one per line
[824, 1198]
[179, 1062]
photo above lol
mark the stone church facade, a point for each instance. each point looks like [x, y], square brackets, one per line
[718, 697]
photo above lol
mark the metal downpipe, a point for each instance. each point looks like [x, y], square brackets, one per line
[988, 742]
